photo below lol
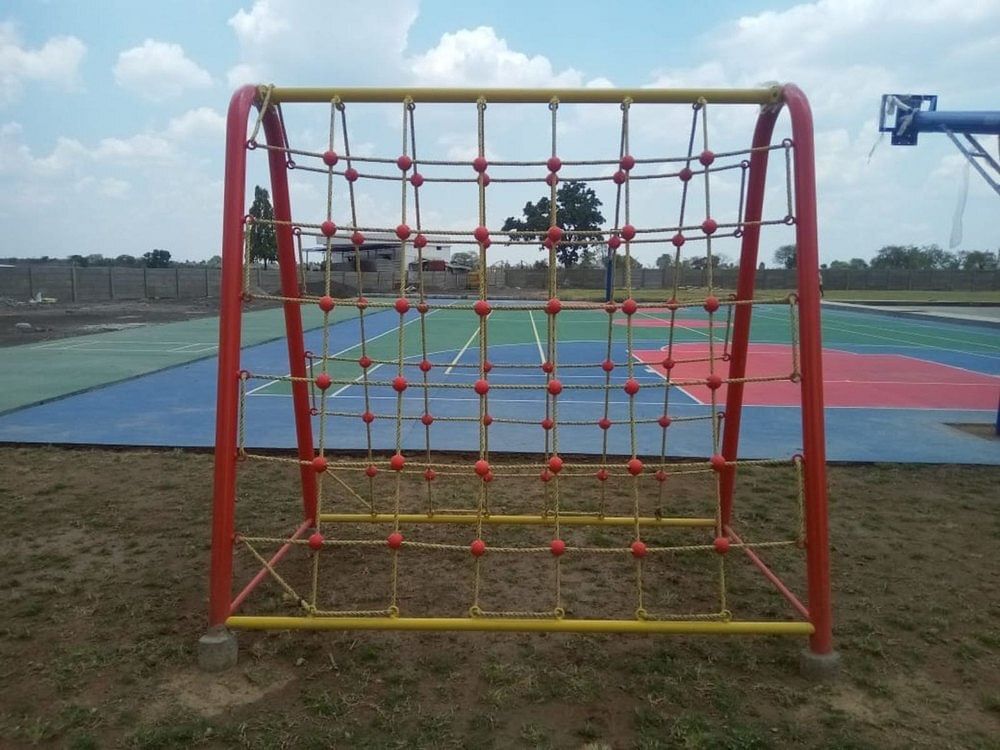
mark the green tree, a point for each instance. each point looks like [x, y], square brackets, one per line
[665, 261]
[157, 259]
[78, 260]
[263, 241]
[467, 260]
[577, 210]
[979, 260]
[785, 256]
[914, 258]
[127, 260]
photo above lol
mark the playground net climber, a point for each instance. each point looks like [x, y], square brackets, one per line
[598, 545]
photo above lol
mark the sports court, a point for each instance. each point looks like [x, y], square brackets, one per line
[893, 385]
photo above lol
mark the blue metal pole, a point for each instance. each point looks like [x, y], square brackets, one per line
[976, 123]
[609, 277]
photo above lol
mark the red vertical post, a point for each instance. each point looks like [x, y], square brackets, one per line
[811, 358]
[227, 393]
[745, 291]
[275, 134]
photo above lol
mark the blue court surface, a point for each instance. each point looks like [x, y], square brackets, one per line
[895, 389]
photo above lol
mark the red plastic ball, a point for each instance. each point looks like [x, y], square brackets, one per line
[488, 477]
[721, 544]
[423, 307]
[402, 231]
[628, 232]
[718, 462]
[551, 179]
[604, 423]
[371, 471]
[328, 228]
[548, 367]
[714, 382]
[706, 157]
[316, 541]
[394, 540]
[416, 179]
[362, 303]
[709, 226]
[554, 163]
[482, 467]
[480, 164]
[711, 304]
[420, 241]
[430, 475]
[486, 244]
[482, 387]
[477, 548]
[427, 420]
[367, 417]
[547, 423]
[487, 420]
[630, 306]
[627, 162]
[402, 305]
[547, 244]
[631, 386]
[487, 365]
[668, 364]
[404, 162]
[323, 381]
[484, 179]
[619, 177]
[553, 306]
[610, 308]
[425, 366]
[365, 361]
[357, 238]
[399, 384]
[482, 308]
[554, 234]
[555, 387]
[614, 242]
[602, 475]
[672, 305]
[557, 547]
[330, 158]
[481, 234]
[319, 464]
[678, 240]
[326, 303]
[661, 475]
[685, 174]
[607, 365]
[638, 549]
[546, 475]
[351, 174]
[397, 462]
[555, 464]
[634, 467]
[664, 421]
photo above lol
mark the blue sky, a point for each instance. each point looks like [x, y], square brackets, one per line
[111, 112]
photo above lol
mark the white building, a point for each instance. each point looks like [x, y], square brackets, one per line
[379, 253]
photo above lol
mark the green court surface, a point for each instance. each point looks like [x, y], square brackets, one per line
[35, 373]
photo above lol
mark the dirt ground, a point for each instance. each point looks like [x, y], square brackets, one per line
[104, 596]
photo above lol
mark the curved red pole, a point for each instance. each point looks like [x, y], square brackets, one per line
[227, 393]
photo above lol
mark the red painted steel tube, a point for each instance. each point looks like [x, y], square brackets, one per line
[742, 313]
[811, 358]
[263, 573]
[274, 132]
[227, 394]
[771, 576]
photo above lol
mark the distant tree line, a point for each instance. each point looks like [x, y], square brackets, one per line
[157, 258]
[906, 257]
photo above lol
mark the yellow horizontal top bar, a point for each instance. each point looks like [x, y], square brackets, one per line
[767, 95]
[520, 625]
[516, 520]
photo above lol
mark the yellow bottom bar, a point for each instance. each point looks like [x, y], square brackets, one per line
[249, 622]
[499, 520]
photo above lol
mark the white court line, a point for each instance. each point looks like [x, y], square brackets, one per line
[358, 379]
[344, 351]
[462, 351]
[541, 352]
[676, 325]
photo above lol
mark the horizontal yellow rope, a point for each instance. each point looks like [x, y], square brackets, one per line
[520, 625]
[502, 520]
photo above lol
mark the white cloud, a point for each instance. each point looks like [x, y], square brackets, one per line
[195, 123]
[259, 24]
[242, 74]
[478, 57]
[158, 71]
[55, 62]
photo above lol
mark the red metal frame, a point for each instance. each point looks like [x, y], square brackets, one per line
[818, 611]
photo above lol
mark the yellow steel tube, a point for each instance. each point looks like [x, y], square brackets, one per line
[768, 95]
[524, 625]
[501, 520]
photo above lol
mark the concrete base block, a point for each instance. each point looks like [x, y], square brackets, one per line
[819, 667]
[217, 650]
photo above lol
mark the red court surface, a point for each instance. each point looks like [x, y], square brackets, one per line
[665, 323]
[889, 381]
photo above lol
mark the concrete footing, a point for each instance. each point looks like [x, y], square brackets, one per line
[819, 667]
[217, 650]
